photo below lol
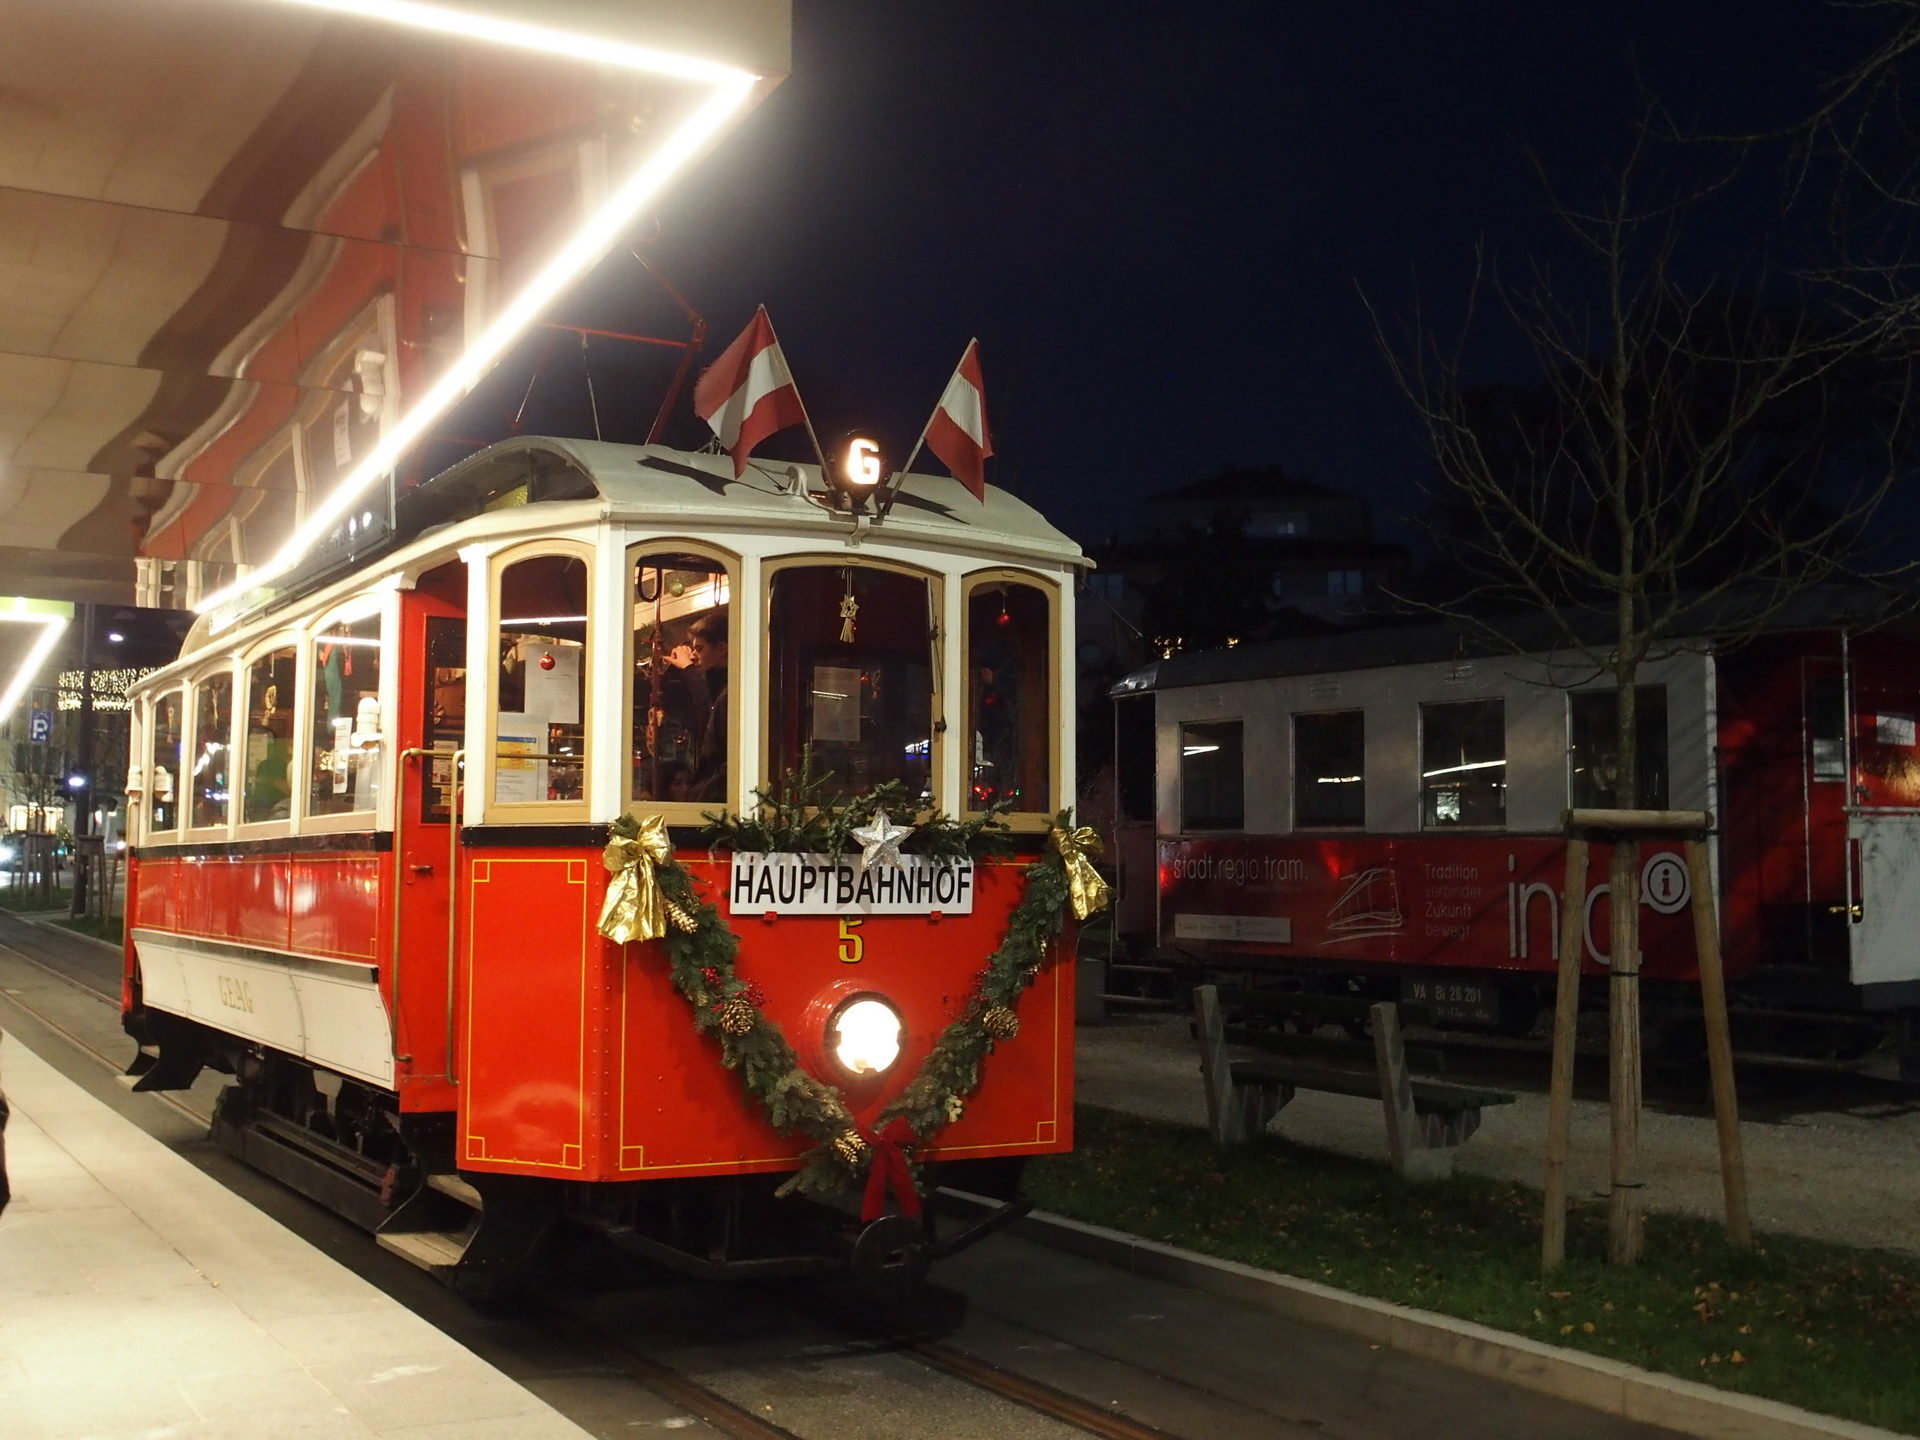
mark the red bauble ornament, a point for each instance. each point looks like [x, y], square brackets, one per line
[546, 661]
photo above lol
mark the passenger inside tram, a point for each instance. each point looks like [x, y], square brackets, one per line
[680, 692]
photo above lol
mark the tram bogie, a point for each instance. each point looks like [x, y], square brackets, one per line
[371, 861]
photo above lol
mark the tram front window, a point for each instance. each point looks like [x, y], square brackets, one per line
[1009, 695]
[851, 669]
[680, 668]
[541, 688]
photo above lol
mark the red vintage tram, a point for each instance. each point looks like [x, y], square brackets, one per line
[1380, 812]
[369, 820]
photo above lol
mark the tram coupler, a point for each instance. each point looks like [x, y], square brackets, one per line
[890, 1258]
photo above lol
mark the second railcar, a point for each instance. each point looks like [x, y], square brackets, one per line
[1381, 812]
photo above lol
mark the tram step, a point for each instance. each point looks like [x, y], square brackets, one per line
[455, 1188]
[429, 1249]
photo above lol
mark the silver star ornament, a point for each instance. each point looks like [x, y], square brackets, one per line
[880, 841]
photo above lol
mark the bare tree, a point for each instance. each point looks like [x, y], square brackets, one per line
[1697, 447]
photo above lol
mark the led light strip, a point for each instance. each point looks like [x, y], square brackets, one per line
[49, 616]
[731, 87]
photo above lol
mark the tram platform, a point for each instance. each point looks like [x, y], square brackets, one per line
[138, 1297]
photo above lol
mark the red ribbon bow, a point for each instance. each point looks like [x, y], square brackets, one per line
[889, 1173]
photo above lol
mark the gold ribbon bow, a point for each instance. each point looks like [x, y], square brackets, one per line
[635, 908]
[1086, 890]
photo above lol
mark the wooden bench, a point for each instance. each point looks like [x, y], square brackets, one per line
[1426, 1118]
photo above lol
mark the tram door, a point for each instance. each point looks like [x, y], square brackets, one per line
[432, 724]
[1823, 709]
[1883, 813]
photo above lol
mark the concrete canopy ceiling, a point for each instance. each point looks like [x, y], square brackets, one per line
[240, 238]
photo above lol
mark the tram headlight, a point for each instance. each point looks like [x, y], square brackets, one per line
[863, 1035]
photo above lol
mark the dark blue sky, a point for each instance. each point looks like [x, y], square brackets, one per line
[1158, 218]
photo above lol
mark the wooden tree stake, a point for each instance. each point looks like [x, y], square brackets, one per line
[1566, 1016]
[1713, 1006]
[1626, 1220]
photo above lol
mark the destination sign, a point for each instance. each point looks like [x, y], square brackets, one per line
[817, 885]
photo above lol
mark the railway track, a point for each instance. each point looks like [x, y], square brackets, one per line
[709, 1405]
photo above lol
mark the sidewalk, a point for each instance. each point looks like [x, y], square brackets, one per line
[1798, 1161]
[139, 1297]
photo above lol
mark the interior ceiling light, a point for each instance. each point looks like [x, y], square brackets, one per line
[729, 87]
[52, 617]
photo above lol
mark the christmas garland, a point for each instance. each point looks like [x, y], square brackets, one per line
[652, 896]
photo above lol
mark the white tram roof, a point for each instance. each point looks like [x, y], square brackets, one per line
[683, 493]
[1836, 606]
[684, 490]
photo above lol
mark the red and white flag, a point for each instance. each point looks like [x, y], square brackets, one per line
[748, 393]
[958, 431]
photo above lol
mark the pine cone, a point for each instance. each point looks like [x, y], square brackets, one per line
[737, 1016]
[1000, 1023]
[680, 919]
[849, 1147]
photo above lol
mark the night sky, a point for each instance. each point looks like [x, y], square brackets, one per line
[1159, 218]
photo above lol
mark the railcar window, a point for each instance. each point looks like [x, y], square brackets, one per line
[541, 690]
[850, 655]
[212, 732]
[1212, 777]
[1463, 769]
[1330, 769]
[1593, 749]
[163, 774]
[1827, 727]
[681, 697]
[1009, 699]
[345, 775]
[266, 788]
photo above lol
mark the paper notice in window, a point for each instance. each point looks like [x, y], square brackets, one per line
[554, 690]
[1894, 729]
[519, 775]
[836, 703]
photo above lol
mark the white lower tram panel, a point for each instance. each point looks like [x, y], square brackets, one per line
[328, 1012]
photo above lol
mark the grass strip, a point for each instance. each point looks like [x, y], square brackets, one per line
[1823, 1326]
[108, 930]
[22, 900]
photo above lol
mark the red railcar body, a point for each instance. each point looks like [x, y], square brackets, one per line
[1801, 743]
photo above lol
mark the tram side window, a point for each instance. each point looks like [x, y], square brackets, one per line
[163, 773]
[212, 727]
[1009, 699]
[1463, 769]
[1212, 777]
[850, 653]
[680, 691]
[1593, 752]
[346, 717]
[266, 790]
[1329, 769]
[541, 689]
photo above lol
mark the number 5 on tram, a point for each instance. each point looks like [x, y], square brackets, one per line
[371, 863]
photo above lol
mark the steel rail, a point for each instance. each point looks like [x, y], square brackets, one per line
[112, 1066]
[1035, 1395]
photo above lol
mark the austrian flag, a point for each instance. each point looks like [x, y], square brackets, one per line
[748, 393]
[958, 431]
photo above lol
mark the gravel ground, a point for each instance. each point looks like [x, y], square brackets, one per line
[1850, 1175]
